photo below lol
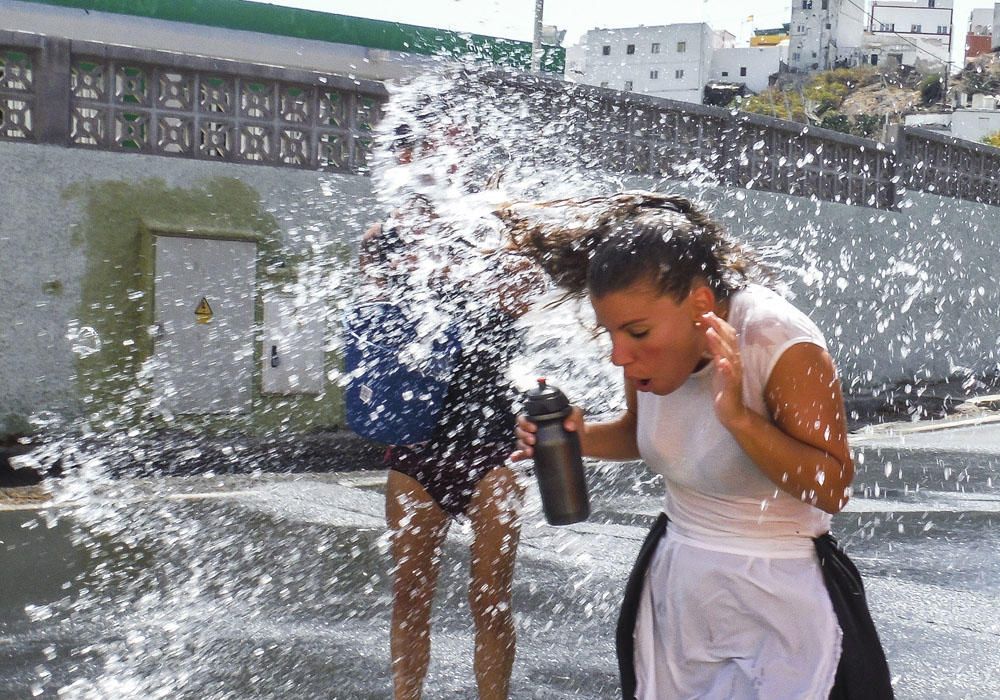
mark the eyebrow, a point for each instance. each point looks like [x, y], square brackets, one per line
[629, 323]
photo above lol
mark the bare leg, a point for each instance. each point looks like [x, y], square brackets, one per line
[494, 513]
[418, 527]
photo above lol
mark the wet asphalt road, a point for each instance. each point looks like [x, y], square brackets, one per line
[275, 586]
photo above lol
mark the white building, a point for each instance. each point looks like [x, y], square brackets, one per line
[672, 61]
[825, 33]
[996, 26]
[972, 124]
[751, 65]
[981, 21]
[910, 32]
[979, 38]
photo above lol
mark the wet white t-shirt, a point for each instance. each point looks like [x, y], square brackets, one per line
[714, 491]
[733, 605]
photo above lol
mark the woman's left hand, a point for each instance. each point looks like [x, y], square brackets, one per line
[728, 378]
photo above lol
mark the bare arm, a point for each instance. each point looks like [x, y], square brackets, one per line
[613, 440]
[804, 451]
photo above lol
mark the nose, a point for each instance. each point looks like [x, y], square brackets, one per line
[620, 354]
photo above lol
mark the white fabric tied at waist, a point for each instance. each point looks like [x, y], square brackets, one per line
[791, 547]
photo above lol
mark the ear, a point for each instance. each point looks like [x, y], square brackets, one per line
[702, 301]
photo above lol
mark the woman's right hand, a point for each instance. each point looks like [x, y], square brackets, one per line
[525, 431]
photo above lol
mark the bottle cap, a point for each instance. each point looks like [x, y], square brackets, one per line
[545, 400]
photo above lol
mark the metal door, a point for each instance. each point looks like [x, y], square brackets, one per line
[204, 314]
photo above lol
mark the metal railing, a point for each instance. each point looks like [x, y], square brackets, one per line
[947, 166]
[633, 133]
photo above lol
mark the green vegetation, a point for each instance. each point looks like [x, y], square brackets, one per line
[992, 140]
[931, 89]
[828, 89]
[775, 102]
[816, 101]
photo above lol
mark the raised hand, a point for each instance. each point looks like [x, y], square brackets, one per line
[728, 379]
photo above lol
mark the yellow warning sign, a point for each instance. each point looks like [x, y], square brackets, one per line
[203, 312]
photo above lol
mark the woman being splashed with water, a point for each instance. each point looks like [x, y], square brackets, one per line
[731, 395]
[431, 258]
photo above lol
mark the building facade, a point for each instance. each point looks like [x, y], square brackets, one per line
[979, 38]
[824, 34]
[752, 66]
[996, 27]
[910, 32]
[672, 61]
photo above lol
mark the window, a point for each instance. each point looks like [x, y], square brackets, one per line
[725, 74]
[628, 85]
[942, 29]
[807, 4]
[654, 48]
[874, 60]
[682, 46]
[630, 49]
[606, 50]
[604, 83]
[796, 56]
[654, 74]
[826, 4]
[930, 3]
[915, 28]
[679, 73]
[743, 71]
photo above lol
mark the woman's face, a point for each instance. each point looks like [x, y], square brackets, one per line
[654, 338]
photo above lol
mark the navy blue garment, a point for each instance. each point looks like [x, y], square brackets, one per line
[474, 431]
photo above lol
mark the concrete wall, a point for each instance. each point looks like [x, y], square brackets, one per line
[900, 295]
[71, 257]
[974, 124]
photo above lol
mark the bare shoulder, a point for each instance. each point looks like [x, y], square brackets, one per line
[804, 397]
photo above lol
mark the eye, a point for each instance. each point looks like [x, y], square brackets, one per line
[639, 334]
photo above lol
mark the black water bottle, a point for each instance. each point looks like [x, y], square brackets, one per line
[558, 459]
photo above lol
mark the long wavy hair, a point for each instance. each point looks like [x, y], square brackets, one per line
[600, 245]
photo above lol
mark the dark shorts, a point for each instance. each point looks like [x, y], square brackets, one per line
[449, 476]
[863, 673]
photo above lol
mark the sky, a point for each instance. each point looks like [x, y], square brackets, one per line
[514, 18]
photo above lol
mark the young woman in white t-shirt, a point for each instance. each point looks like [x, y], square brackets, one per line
[731, 395]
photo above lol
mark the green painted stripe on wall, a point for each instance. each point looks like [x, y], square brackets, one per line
[322, 26]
